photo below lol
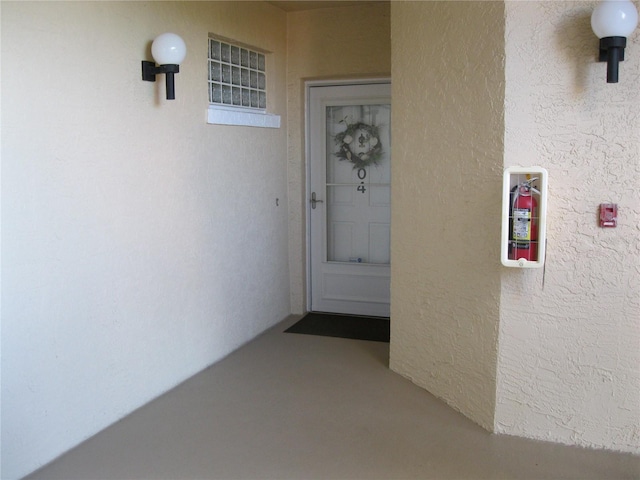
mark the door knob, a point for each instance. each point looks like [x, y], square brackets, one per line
[314, 201]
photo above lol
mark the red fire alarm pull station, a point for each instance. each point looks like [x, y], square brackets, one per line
[608, 215]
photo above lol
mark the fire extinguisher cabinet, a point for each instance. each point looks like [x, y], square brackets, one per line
[524, 217]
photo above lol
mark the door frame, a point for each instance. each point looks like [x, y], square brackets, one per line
[307, 160]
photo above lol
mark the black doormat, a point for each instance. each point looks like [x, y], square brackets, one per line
[375, 329]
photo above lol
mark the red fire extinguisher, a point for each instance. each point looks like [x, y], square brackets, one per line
[524, 223]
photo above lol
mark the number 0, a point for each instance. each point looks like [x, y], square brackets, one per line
[362, 174]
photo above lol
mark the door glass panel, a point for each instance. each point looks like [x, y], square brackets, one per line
[358, 183]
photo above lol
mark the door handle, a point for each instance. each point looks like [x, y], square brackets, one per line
[314, 201]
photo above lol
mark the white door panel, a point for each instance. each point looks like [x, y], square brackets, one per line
[350, 177]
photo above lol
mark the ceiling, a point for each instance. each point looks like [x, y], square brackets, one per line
[298, 5]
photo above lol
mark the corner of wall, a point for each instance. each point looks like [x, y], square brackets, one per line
[448, 96]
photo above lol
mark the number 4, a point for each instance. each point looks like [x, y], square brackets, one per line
[361, 188]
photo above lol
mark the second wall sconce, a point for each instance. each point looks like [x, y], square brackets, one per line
[613, 21]
[168, 50]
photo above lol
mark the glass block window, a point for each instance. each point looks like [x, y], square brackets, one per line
[237, 76]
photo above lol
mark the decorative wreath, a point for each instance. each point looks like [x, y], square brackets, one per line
[359, 144]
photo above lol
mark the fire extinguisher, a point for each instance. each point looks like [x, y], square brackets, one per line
[523, 217]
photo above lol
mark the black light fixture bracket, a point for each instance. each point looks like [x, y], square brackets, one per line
[612, 52]
[150, 70]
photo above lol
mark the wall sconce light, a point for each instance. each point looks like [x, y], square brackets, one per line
[613, 21]
[168, 51]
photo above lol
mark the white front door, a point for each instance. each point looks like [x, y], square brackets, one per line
[349, 198]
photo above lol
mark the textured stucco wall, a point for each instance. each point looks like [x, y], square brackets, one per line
[447, 125]
[569, 362]
[343, 42]
[139, 244]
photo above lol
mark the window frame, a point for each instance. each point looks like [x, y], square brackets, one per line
[238, 79]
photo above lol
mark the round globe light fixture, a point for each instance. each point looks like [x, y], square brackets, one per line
[613, 21]
[168, 50]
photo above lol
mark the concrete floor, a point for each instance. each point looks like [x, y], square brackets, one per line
[291, 406]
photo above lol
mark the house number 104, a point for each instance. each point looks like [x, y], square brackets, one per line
[362, 174]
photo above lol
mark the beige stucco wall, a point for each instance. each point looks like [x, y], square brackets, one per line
[133, 245]
[447, 126]
[139, 244]
[569, 363]
[329, 43]
[552, 354]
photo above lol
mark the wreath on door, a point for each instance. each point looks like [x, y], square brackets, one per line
[359, 144]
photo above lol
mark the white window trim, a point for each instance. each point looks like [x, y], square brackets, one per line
[222, 115]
